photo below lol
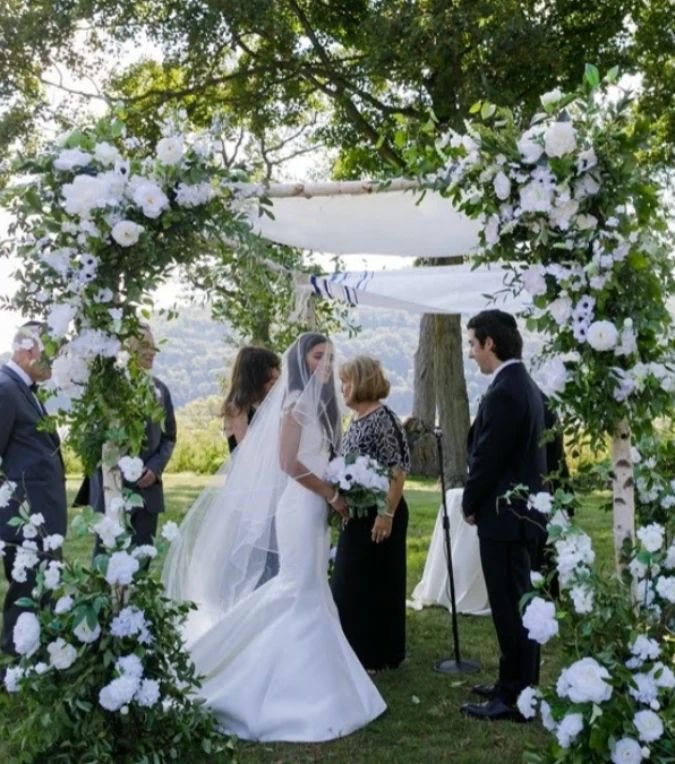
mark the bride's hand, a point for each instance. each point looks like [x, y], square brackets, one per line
[340, 506]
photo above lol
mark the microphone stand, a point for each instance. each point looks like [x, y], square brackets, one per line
[453, 665]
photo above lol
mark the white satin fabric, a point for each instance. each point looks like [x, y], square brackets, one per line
[434, 588]
[276, 665]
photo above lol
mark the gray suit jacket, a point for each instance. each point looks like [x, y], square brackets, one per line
[31, 458]
[160, 439]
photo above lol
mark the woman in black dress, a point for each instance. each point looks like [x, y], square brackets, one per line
[369, 576]
[255, 371]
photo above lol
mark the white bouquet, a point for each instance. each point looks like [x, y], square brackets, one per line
[363, 482]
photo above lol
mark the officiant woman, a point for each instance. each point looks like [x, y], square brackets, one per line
[369, 578]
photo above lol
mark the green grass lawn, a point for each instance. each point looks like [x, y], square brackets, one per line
[423, 723]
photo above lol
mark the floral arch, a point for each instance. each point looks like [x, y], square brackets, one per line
[99, 221]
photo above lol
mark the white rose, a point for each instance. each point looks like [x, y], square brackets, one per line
[602, 335]
[6, 492]
[648, 725]
[645, 648]
[585, 682]
[52, 575]
[527, 702]
[12, 677]
[585, 222]
[553, 96]
[170, 150]
[69, 159]
[561, 310]
[126, 233]
[669, 562]
[61, 654]
[132, 468]
[542, 502]
[586, 160]
[63, 604]
[539, 620]
[534, 281]
[560, 139]
[52, 542]
[108, 530]
[662, 676]
[626, 751]
[530, 145]
[26, 634]
[582, 598]
[536, 197]
[569, 729]
[85, 634]
[502, 186]
[118, 693]
[130, 665]
[150, 198]
[651, 536]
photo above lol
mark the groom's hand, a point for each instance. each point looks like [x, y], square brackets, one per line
[147, 479]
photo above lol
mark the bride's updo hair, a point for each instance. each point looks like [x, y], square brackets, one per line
[299, 376]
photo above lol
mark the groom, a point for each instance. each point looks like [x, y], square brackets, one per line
[505, 451]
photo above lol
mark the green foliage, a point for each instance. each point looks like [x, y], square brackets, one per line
[84, 651]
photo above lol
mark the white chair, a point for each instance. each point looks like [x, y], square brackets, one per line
[434, 588]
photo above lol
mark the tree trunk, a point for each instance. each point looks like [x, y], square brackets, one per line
[623, 502]
[423, 452]
[452, 400]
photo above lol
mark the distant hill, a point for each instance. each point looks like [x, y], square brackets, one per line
[197, 354]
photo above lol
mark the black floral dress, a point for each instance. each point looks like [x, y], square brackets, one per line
[369, 579]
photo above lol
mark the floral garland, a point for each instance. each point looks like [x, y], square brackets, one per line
[579, 225]
[100, 220]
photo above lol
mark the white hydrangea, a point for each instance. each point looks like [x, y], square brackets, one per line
[129, 622]
[626, 751]
[663, 676]
[645, 649]
[539, 620]
[646, 690]
[26, 634]
[145, 550]
[130, 665]
[85, 634]
[542, 502]
[59, 318]
[648, 725]
[52, 542]
[108, 530]
[665, 588]
[62, 655]
[550, 98]
[148, 693]
[118, 693]
[121, 569]
[6, 492]
[651, 536]
[568, 729]
[582, 598]
[126, 233]
[527, 702]
[573, 551]
[132, 468]
[69, 159]
[25, 558]
[534, 281]
[52, 575]
[13, 675]
[584, 681]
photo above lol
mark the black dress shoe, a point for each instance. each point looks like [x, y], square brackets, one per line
[487, 691]
[494, 710]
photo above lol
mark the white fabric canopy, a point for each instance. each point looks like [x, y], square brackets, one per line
[454, 289]
[379, 223]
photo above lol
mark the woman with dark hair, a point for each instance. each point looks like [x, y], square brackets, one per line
[254, 372]
[369, 576]
[274, 660]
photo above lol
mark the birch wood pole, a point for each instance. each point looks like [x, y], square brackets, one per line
[330, 188]
[623, 494]
[112, 480]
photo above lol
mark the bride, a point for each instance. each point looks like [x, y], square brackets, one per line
[275, 662]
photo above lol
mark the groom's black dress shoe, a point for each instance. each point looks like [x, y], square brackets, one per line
[494, 710]
[487, 691]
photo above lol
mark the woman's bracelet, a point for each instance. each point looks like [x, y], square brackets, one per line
[334, 497]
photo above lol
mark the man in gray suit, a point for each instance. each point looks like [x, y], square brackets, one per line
[31, 458]
[160, 439]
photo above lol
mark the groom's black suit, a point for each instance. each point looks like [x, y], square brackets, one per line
[505, 451]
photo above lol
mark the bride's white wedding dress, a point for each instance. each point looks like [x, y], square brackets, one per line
[276, 665]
